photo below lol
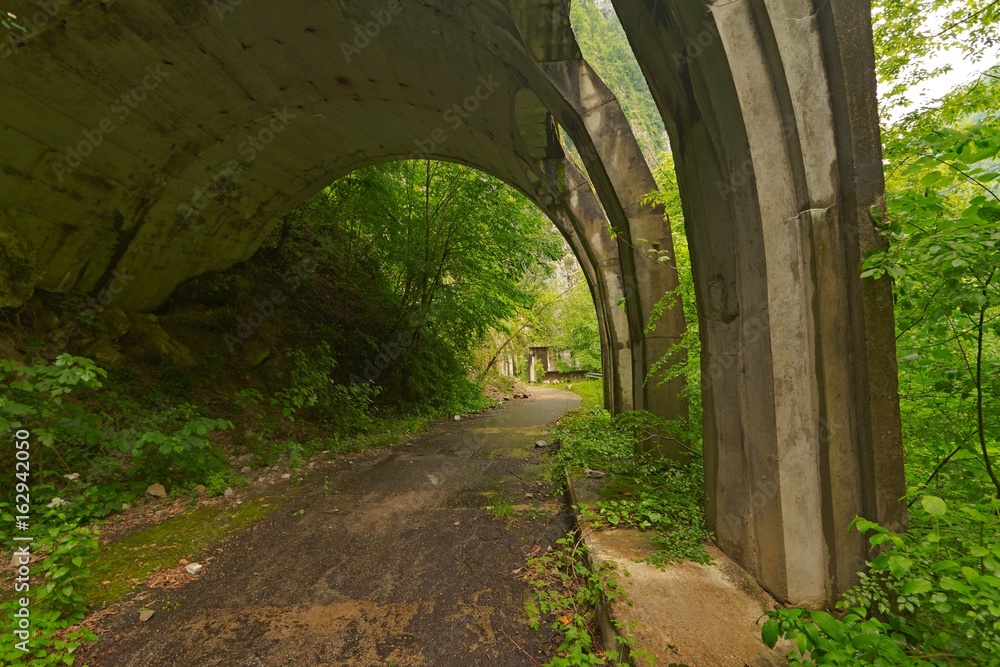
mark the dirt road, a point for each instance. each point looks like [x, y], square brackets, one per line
[390, 559]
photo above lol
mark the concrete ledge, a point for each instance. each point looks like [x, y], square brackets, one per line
[688, 614]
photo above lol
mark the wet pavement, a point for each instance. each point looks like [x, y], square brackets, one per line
[392, 560]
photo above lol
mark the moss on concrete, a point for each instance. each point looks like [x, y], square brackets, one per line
[127, 563]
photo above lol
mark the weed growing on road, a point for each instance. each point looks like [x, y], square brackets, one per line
[567, 592]
[643, 491]
[501, 508]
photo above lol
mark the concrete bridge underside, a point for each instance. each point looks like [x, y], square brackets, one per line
[165, 138]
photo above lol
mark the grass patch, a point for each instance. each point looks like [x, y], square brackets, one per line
[501, 508]
[591, 391]
[660, 496]
[567, 587]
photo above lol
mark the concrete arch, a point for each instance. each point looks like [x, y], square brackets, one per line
[163, 138]
[771, 111]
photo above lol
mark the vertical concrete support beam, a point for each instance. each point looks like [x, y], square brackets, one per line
[770, 107]
[611, 151]
[566, 195]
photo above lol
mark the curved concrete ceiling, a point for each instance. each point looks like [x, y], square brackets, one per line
[134, 132]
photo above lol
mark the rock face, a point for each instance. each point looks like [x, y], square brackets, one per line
[18, 272]
[150, 342]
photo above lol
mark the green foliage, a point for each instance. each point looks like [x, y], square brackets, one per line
[313, 390]
[591, 391]
[931, 597]
[910, 33]
[943, 257]
[58, 602]
[36, 396]
[567, 590]
[642, 491]
[9, 21]
[683, 360]
[87, 463]
[430, 257]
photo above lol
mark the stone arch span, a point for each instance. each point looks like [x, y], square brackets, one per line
[164, 138]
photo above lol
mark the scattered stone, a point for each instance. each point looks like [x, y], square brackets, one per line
[245, 469]
[126, 507]
[145, 615]
[287, 475]
[182, 561]
[593, 474]
[256, 354]
[541, 443]
[457, 418]
[194, 568]
[261, 478]
[157, 491]
[115, 321]
[228, 492]
[529, 495]
[524, 396]
[15, 562]
[150, 342]
[199, 490]
[409, 444]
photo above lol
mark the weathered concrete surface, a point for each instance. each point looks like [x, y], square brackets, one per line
[771, 112]
[163, 138]
[398, 562]
[687, 613]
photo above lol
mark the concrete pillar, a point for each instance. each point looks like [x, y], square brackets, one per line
[567, 196]
[623, 181]
[771, 111]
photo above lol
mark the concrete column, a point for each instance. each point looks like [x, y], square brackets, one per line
[770, 108]
[623, 180]
[569, 199]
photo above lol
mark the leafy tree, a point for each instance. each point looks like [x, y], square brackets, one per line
[944, 258]
[432, 256]
[910, 33]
